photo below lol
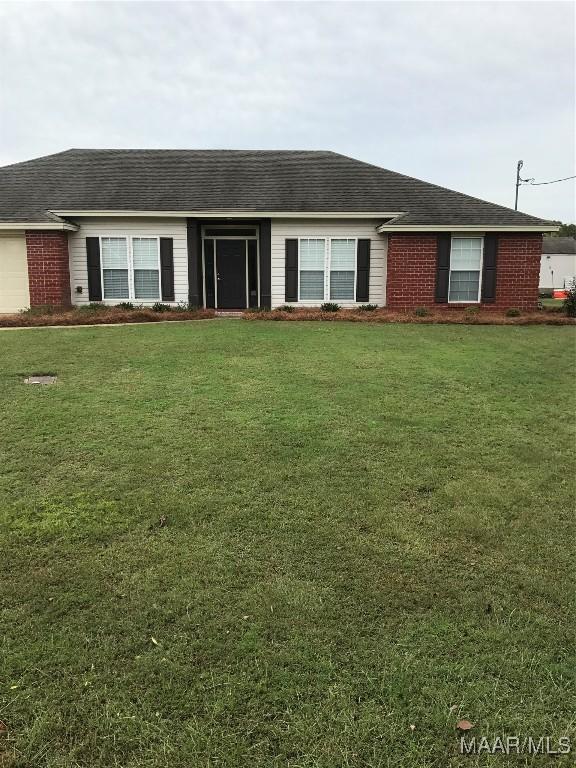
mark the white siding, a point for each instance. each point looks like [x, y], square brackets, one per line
[289, 228]
[95, 227]
[564, 267]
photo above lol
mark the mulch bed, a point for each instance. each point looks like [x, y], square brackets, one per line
[108, 316]
[483, 317]
[112, 316]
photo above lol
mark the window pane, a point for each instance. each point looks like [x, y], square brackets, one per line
[145, 252]
[341, 285]
[343, 254]
[466, 253]
[464, 286]
[146, 284]
[114, 253]
[312, 285]
[115, 283]
[312, 253]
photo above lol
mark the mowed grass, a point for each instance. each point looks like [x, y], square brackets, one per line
[370, 534]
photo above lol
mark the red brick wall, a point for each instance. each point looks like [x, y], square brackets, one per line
[518, 270]
[48, 268]
[411, 276]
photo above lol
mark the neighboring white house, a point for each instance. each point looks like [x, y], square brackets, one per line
[558, 264]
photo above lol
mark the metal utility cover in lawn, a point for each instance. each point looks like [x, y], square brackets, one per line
[40, 380]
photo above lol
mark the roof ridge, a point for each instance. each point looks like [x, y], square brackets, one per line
[188, 149]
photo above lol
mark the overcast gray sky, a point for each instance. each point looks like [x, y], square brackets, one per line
[451, 92]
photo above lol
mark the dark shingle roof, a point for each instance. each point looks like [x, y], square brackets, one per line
[558, 245]
[196, 180]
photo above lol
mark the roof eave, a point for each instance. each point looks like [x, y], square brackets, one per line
[230, 214]
[34, 225]
[383, 228]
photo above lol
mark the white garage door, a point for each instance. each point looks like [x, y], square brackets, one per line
[14, 293]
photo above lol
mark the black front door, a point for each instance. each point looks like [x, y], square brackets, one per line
[231, 274]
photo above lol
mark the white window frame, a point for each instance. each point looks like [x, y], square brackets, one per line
[130, 258]
[328, 266]
[464, 236]
[327, 289]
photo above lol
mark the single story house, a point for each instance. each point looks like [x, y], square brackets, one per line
[237, 229]
[558, 264]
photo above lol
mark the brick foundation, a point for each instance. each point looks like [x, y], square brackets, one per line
[411, 273]
[48, 268]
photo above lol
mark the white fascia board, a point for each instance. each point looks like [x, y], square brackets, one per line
[466, 228]
[235, 214]
[23, 225]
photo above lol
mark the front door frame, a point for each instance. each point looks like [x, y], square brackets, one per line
[216, 278]
[245, 238]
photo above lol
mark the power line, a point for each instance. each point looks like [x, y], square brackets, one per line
[520, 182]
[539, 183]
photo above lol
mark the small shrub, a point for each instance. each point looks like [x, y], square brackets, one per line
[256, 310]
[421, 312]
[124, 305]
[159, 307]
[94, 306]
[367, 307]
[569, 305]
[186, 306]
[42, 309]
[329, 306]
[472, 311]
[513, 312]
[285, 308]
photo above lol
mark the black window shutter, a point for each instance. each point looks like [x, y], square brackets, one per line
[291, 270]
[443, 267]
[167, 268]
[363, 270]
[93, 263]
[209, 272]
[265, 263]
[489, 260]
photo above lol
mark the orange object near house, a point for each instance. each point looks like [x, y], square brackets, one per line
[560, 294]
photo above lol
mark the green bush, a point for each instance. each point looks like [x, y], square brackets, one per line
[94, 306]
[329, 306]
[367, 307]
[513, 312]
[185, 306]
[285, 308]
[42, 309]
[159, 307]
[569, 305]
[421, 312]
[124, 305]
[256, 310]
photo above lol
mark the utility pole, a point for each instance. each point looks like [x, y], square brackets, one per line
[518, 169]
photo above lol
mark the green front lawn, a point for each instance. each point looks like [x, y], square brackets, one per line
[370, 534]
